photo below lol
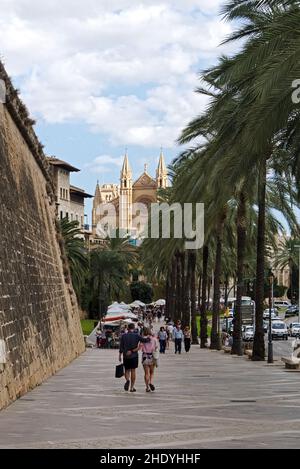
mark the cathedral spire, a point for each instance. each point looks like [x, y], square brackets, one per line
[98, 195]
[126, 170]
[161, 172]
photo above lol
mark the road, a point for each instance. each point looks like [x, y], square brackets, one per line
[205, 399]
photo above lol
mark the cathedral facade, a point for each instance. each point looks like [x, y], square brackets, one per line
[128, 199]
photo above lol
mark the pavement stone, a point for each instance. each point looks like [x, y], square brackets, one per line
[204, 399]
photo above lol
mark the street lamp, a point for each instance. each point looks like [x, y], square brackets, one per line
[271, 295]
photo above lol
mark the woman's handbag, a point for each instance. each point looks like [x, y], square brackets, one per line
[119, 371]
[156, 357]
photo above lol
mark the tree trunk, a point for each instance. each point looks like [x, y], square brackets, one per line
[100, 296]
[241, 224]
[215, 342]
[208, 293]
[167, 308]
[192, 262]
[199, 291]
[186, 312]
[259, 336]
[203, 316]
[185, 289]
[171, 312]
[226, 291]
[214, 336]
[178, 298]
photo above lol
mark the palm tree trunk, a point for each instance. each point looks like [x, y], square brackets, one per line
[199, 290]
[215, 342]
[171, 312]
[291, 280]
[214, 337]
[192, 259]
[203, 316]
[100, 296]
[259, 336]
[186, 312]
[209, 281]
[178, 298]
[184, 303]
[241, 223]
[226, 291]
[167, 308]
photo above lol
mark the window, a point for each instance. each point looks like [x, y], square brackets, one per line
[61, 193]
[67, 215]
[61, 215]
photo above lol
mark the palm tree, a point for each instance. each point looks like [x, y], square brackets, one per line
[75, 252]
[287, 256]
[203, 315]
[109, 274]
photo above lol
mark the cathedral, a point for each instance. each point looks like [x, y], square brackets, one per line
[123, 197]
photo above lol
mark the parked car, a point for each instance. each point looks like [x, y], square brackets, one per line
[274, 313]
[248, 333]
[279, 330]
[294, 329]
[281, 303]
[292, 310]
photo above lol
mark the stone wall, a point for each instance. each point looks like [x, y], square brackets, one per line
[39, 319]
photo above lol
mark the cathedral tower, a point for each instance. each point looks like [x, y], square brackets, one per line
[96, 202]
[125, 206]
[161, 173]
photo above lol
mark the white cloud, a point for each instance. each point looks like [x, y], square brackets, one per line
[126, 68]
[104, 163]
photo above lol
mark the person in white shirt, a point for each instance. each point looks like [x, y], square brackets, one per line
[178, 338]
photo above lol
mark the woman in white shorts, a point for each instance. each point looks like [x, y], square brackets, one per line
[148, 360]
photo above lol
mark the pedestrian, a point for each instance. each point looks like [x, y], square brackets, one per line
[170, 328]
[98, 337]
[162, 337]
[187, 338]
[129, 346]
[178, 337]
[148, 361]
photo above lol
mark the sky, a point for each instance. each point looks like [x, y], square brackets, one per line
[100, 76]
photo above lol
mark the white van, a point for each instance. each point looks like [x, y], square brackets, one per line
[279, 330]
[281, 304]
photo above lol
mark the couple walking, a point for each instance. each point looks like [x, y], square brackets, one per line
[130, 345]
[180, 335]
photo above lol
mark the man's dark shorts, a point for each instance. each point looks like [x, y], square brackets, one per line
[131, 363]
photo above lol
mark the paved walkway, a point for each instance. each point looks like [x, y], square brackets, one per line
[204, 399]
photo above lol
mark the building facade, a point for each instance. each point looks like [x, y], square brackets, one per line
[69, 199]
[129, 200]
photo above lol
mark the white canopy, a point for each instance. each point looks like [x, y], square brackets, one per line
[160, 302]
[117, 305]
[138, 304]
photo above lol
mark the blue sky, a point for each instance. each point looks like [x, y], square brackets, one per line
[99, 76]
